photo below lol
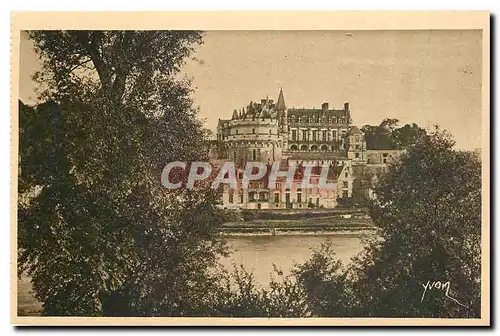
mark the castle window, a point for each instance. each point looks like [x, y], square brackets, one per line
[303, 147]
[253, 130]
[356, 139]
[299, 198]
[356, 155]
[356, 146]
[236, 131]
[294, 147]
[346, 174]
[231, 200]
[323, 135]
[270, 132]
[254, 154]
[345, 184]
[294, 135]
[315, 135]
[241, 198]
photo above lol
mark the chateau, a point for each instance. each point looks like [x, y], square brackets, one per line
[269, 132]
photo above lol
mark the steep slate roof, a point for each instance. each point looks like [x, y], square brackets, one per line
[354, 130]
[280, 105]
[235, 115]
[303, 112]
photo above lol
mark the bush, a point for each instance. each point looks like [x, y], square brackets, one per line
[249, 215]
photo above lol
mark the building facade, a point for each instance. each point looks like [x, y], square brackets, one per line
[269, 132]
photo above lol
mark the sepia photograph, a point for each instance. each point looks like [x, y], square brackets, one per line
[333, 171]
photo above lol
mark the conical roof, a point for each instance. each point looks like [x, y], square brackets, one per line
[280, 105]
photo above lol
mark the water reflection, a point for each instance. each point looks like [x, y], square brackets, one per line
[258, 253]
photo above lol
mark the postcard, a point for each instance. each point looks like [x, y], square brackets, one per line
[250, 168]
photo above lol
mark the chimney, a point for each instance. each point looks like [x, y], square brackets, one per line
[346, 106]
[324, 107]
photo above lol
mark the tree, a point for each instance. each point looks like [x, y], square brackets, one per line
[428, 212]
[407, 135]
[388, 136]
[379, 137]
[97, 232]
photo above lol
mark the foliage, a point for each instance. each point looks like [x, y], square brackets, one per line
[388, 136]
[96, 231]
[242, 297]
[428, 211]
[249, 215]
[345, 202]
[323, 280]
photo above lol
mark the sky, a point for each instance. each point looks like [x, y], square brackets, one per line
[427, 77]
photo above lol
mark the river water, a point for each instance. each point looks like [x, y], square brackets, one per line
[258, 253]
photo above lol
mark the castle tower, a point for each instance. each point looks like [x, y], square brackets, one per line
[254, 133]
[356, 145]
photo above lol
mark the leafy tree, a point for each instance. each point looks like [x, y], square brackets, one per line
[428, 211]
[379, 137]
[388, 136]
[407, 135]
[97, 232]
[322, 280]
[242, 297]
[345, 202]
